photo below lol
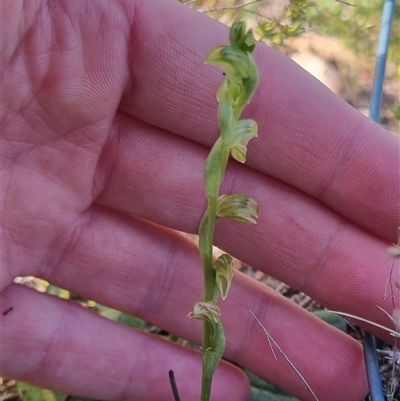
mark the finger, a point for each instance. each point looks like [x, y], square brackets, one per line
[70, 349]
[147, 271]
[309, 138]
[297, 239]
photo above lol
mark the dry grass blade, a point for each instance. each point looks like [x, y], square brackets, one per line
[394, 252]
[379, 326]
[346, 3]
[270, 339]
[210, 10]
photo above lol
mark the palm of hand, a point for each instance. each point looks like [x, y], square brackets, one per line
[62, 85]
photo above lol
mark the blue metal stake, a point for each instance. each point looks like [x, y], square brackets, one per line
[369, 343]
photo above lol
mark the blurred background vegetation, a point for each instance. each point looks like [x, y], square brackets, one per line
[339, 36]
[355, 23]
[335, 40]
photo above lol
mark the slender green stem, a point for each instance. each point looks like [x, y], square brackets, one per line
[206, 240]
[233, 95]
[205, 244]
[214, 172]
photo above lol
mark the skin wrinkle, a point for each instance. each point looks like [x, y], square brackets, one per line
[150, 35]
[135, 10]
[125, 390]
[34, 67]
[361, 175]
[171, 166]
[15, 106]
[158, 175]
[9, 10]
[9, 203]
[318, 259]
[159, 290]
[65, 243]
[55, 340]
[107, 162]
[48, 344]
[48, 164]
[127, 387]
[19, 38]
[311, 165]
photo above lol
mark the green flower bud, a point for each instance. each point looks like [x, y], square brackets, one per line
[239, 84]
[233, 62]
[241, 39]
[206, 311]
[223, 274]
[244, 131]
[238, 207]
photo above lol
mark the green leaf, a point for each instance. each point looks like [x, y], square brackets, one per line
[332, 319]
[32, 393]
[121, 317]
[396, 112]
[52, 289]
[263, 391]
[258, 394]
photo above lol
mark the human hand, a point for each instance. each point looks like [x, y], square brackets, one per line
[108, 113]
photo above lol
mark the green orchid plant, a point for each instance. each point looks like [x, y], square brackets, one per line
[235, 92]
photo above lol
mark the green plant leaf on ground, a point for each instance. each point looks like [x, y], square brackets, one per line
[396, 112]
[32, 393]
[121, 317]
[263, 391]
[333, 319]
[59, 292]
[266, 395]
